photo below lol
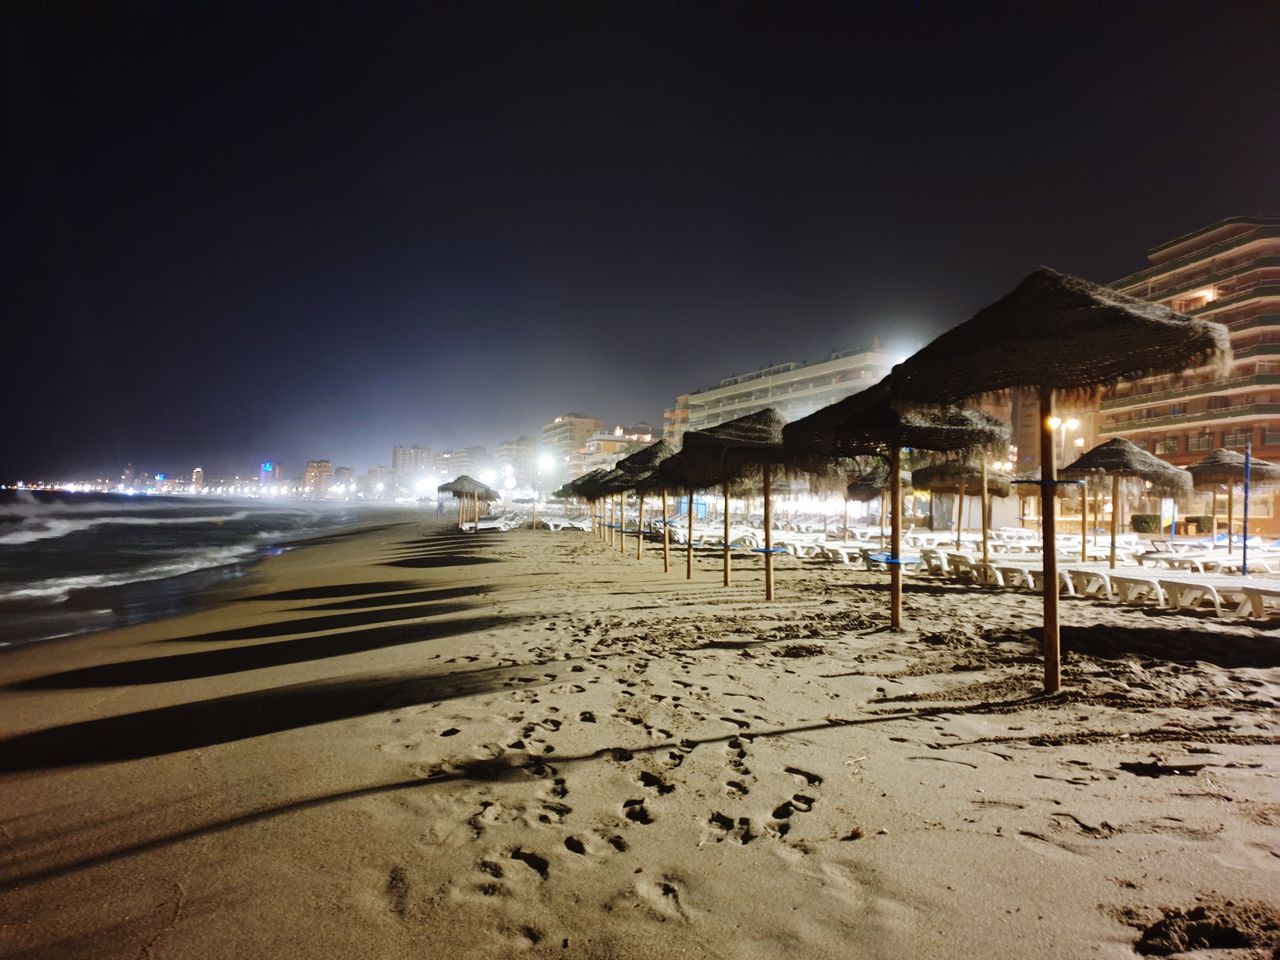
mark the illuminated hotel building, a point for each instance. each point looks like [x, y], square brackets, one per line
[795, 390]
[1228, 272]
[565, 434]
[603, 450]
[411, 461]
[317, 478]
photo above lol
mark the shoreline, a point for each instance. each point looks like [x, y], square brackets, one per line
[104, 608]
[413, 740]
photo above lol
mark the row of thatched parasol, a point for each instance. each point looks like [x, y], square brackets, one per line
[1056, 334]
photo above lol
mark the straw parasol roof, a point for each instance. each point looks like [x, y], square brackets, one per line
[572, 488]
[465, 486]
[867, 421]
[1060, 332]
[732, 450]
[610, 482]
[868, 477]
[644, 462]
[949, 477]
[1227, 467]
[1120, 458]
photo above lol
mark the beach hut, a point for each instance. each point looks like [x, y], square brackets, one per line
[1119, 459]
[642, 467]
[958, 477]
[737, 451]
[1226, 468]
[1059, 335]
[868, 421]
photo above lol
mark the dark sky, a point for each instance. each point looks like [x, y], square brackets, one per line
[289, 237]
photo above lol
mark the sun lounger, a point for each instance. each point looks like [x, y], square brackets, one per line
[1258, 597]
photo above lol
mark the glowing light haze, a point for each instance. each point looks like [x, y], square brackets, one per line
[276, 236]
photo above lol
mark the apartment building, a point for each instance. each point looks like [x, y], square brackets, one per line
[1228, 272]
[793, 389]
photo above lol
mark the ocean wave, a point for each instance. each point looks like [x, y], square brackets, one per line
[50, 528]
[59, 589]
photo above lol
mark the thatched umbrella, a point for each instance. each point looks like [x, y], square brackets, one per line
[868, 479]
[1121, 459]
[1226, 467]
[465, 487]
[956, 477]
[609, 484]
[1056, 333]
[642, 466]
[735, 451]
[582, 487]
[867, 422]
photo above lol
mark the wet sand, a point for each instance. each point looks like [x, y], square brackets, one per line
[412, 742]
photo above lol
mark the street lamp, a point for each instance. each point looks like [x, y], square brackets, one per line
[1067, 426]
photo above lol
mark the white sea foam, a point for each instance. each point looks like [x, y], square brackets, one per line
[50, 528]
[59, 589]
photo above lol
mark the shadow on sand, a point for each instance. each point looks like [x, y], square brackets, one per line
[207, 723]
[393, 599]
[333, 621]
[336, 590]
[215, 663]
[506, 768]
[1172, 643]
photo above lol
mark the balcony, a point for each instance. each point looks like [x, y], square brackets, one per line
[1197, 390]
[1261, 232]
[1206, 416]
[1180, 286]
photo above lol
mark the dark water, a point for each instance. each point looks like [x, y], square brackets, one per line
[71, 563]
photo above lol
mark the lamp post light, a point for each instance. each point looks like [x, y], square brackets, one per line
[1066, 426]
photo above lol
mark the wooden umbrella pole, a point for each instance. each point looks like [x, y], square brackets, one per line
[1052, 649]
[1097, 512]
[666, 535]
[612, 520]
[768, 534]
[1231, 496]
[895, 539]
[622, 523]
[1084, 522]
[688, 551]
[1115, 518]
[959, 511]
[986, 500]
[640, 528]
[726, 533]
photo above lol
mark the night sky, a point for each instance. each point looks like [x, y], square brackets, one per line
[285, 237]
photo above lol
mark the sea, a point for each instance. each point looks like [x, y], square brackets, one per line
[82, 562]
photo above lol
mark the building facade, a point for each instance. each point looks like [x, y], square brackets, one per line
[565, 434]
[793, 389]
[412, 461]
[603, 450]
[317, 478]
[1228, 272]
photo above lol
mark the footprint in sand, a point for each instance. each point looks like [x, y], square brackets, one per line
[725, 828]
[636, 811]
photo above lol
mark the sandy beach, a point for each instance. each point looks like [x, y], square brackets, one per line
[406, 741]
